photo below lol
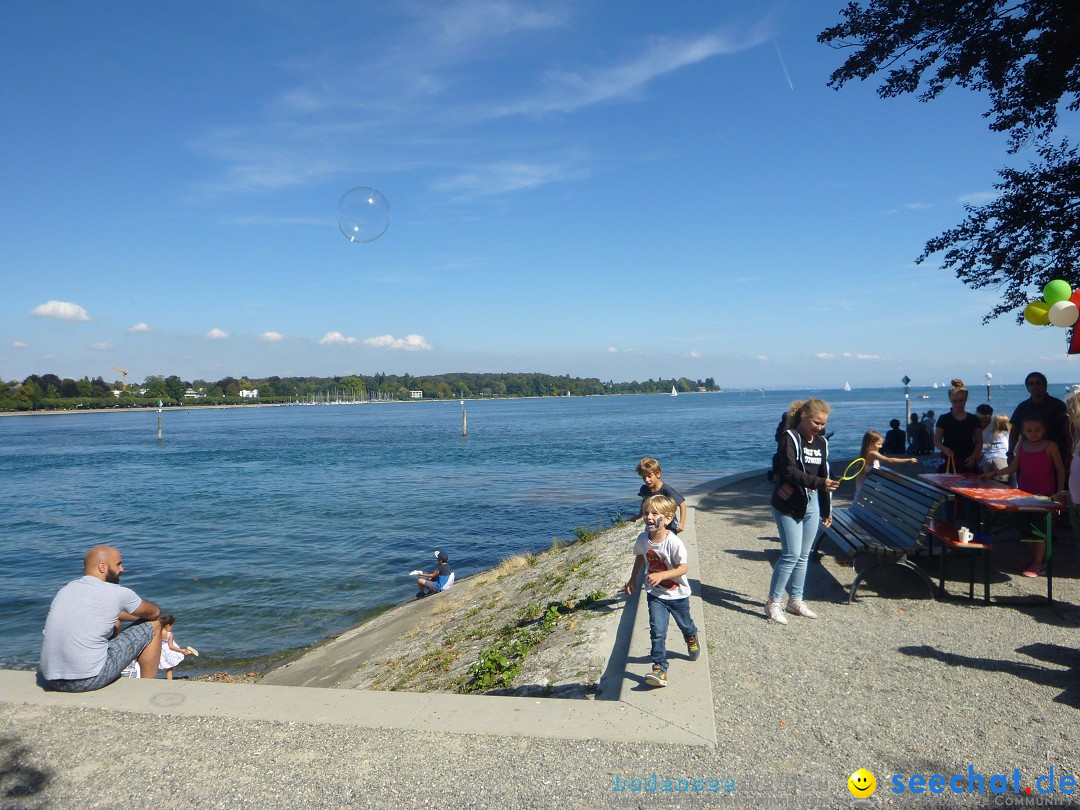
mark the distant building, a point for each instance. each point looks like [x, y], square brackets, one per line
[416, 394]
[252, 394]
[191, 393]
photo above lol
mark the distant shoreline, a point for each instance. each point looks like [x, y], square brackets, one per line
[144, 408]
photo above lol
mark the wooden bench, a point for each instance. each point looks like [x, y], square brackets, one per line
[888, 522]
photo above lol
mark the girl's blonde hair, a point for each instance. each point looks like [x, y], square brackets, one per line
[872, 437]
[1002, 424]
[1072, 408]
[800, 409]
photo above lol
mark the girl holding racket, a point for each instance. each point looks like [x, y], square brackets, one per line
[801, 503]
[871, 453]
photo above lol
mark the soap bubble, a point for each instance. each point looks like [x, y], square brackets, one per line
[363, 214]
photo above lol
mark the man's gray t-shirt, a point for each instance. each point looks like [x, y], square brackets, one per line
[81, 621]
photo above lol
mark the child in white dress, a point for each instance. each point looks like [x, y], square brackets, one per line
[171, 654]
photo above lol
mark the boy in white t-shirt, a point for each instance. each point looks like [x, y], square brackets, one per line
[666, 586]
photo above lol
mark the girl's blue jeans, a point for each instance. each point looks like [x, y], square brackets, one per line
[796, 539]
[659, 610]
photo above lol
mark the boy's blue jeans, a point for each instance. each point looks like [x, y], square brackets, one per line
[659, 610]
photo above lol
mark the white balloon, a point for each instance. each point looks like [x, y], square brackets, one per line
[1064, 313]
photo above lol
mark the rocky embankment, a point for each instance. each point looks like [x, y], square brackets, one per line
[537, 624]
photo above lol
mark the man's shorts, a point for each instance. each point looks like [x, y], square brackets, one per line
[123, 649]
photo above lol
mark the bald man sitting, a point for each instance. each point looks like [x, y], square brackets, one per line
[84, 648]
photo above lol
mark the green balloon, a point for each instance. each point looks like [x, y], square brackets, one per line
[1057, 290]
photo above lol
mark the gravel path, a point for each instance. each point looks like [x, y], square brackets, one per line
[898, 684]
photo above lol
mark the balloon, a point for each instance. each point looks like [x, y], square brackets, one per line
[364, 214]
[1056, 290]
[1064, 313]
[1038, 313]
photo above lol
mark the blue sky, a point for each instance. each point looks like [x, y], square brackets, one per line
[624, 190]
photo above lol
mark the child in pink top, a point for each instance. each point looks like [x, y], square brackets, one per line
[1040, 471]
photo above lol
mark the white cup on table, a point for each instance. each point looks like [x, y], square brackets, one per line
[964, 534]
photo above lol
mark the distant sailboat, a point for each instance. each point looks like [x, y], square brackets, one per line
[847, 386]
[674, 393]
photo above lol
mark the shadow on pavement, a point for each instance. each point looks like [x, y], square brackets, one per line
[19, 781]
[1068, 680]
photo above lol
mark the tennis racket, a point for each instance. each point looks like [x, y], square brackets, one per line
[853, 469]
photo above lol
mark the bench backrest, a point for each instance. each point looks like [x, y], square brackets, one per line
[897, 506]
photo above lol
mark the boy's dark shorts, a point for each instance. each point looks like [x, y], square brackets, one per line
[123, 649]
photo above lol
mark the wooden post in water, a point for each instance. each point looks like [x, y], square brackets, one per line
[464, 420]
[159, 424]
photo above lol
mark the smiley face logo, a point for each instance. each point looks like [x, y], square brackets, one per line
[862, 784]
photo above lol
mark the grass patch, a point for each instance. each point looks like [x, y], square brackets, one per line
[500, 663]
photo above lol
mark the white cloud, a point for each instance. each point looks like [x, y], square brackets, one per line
[611, 350]
[100, 347]
[764, 358]
[61, 311]
[139, 327]
[409, 343]
[19, 344]
[693, 354]
[336, 339]
[978, 197]
[847, 356]
[573, 90]
[271, 337]
[216, 334]
[504, 177]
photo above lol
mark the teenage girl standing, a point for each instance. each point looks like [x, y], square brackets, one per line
[801, 504]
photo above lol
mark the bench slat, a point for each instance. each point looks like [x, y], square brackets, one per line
[890, 519]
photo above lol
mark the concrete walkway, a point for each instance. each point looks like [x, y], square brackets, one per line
[768, 717]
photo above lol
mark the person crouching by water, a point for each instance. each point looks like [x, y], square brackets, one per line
[84, 648]
[438, 580]
[801, 504]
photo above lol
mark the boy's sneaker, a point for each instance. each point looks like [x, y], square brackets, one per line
[798, 607]
[656, 678]
[693, 649]
[774, 612]
[1033, 570]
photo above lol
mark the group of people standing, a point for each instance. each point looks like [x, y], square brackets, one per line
[1032, 446]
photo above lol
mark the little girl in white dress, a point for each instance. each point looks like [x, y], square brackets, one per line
[171, 655]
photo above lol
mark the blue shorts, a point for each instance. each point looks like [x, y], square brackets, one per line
[123, 649]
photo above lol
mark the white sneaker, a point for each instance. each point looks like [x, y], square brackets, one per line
[774, 612]
[798, 608]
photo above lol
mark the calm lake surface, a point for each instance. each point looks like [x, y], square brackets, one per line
[268, 529]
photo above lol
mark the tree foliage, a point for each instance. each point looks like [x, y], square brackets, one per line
[1025, 54]
[33, 393]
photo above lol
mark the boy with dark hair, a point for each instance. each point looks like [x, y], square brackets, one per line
[666, 586]
[438, 580]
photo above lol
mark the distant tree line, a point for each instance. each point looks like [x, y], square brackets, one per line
[50, 392]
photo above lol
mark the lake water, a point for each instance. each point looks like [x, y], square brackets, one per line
[267, 529]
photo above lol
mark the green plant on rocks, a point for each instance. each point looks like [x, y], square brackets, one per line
[499, 664]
